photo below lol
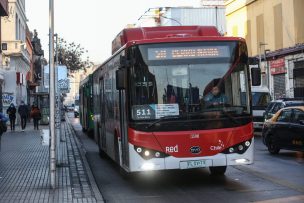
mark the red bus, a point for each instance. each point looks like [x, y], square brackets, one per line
[170, 98]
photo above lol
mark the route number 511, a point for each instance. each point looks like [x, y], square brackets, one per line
[143, 112]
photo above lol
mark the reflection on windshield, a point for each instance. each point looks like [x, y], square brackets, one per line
[184, 89]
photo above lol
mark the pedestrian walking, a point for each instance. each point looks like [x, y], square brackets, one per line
[3, 126]
[23, 112]
[36, 115]
[11, 111]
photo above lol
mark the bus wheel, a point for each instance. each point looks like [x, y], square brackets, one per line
[272, 148]
[116, 150]
[102, 154]
[126, 175]
[217, 170]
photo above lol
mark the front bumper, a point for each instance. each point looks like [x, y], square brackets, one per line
[137, 163]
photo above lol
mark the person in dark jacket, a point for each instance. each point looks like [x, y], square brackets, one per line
[23, 112]
[36, 115]
[11, 111]
[3, 120]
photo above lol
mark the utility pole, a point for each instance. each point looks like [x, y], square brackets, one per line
[57, 105]
[52, 96]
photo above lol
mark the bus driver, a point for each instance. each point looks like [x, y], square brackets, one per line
[215, 97]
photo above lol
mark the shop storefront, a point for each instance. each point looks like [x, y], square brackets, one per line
[298, 73]
[278, 71]
[286, 72]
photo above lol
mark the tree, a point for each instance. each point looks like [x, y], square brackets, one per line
[71, 55]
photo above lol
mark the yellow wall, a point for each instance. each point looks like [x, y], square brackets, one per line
[259, 15]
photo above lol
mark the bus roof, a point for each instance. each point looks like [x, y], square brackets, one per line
[163, 33]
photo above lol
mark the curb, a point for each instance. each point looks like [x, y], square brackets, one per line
[97, 193]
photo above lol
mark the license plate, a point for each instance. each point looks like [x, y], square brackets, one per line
[193, 164]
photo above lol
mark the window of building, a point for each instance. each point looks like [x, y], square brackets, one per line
[17, 27]
[260, 30]
[248, 35]
[298, 18]
[278, 26]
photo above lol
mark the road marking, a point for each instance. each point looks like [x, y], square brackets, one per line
[273, 179]
[293, 199]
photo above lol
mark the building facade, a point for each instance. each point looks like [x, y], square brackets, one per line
[15, 54]
[3, 12]
[274, 32]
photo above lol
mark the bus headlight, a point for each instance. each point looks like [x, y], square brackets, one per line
[241, 161]
[247, 143]
[148, 166]
[149, 153]
[239, 148]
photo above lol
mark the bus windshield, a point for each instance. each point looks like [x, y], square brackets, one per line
[185, 79]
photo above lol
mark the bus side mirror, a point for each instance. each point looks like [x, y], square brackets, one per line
[123, 62]
[244, 58]
[255, 76]
[121, 78]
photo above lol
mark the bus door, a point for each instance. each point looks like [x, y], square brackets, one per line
[102, 116]
[123, 129]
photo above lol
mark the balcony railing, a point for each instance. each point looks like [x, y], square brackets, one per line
[15, 48]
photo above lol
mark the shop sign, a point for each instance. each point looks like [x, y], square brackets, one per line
[277, 66]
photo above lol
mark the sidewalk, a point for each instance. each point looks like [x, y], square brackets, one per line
[24, 169]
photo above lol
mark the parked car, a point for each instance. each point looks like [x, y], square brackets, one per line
[285, 130]
[76, 111]
[276, 105]
[69, 107]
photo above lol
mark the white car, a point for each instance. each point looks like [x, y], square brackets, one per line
[76, 111]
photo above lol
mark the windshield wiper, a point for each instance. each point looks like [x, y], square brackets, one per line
[230, 117]
[217, 110]
[162, 119]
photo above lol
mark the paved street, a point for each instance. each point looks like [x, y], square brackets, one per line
[24, 169]
[270, 179]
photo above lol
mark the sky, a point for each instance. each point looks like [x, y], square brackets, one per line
[91, 23]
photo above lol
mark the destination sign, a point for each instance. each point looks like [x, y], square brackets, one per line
[169, 53]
